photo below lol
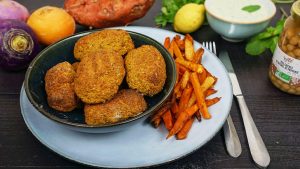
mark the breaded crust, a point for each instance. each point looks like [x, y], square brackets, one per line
[99, 76]
[115, 40]
[59, 86]
[127, 103]
[75, 65]
[146, 70]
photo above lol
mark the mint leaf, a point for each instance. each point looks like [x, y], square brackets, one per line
[255, 47]
[279, 27]
[251, 8]
[264, 35]
[274, 43]
[265, 40]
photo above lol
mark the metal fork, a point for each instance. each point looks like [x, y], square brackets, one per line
[232, 141]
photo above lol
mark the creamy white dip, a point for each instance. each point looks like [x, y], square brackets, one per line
[231, 10]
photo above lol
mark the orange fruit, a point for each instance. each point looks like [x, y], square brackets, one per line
[51, 24]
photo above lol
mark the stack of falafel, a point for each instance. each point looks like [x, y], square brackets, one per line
[96, 78]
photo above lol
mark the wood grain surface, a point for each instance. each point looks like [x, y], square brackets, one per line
[276, 114]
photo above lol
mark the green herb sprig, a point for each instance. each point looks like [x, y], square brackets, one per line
[169, 9]
[265, 40]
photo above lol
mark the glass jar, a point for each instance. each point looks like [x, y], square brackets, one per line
[285, 67]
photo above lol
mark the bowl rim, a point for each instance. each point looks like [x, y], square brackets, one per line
[243, 23]
[82, 125]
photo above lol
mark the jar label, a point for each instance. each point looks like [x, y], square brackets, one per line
[286, 68]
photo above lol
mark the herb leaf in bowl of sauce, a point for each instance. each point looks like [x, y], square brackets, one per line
[251, 8]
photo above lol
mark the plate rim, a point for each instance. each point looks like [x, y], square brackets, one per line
[86, 163]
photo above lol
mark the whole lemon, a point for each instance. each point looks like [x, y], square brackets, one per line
[189, 18]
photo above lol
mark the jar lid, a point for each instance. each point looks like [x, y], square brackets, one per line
[295, 10]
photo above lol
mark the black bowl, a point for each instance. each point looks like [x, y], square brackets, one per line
[63, 51]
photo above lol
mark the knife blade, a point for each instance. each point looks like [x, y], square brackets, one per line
[234, 81]
[256, 144]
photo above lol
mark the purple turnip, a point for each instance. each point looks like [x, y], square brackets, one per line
[13, 10]
[18, 44]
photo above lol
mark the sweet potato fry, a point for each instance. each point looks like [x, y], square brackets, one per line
[192, 110]
[178, 94]
[168, 120]
[189, 48]
[156, 122]
[175, 109]
[189, 37]
[198, 115]
[190, 65]
[171, 48]
[173, 99]
[177, 87]
[177, 74]
[180, 42]
[181, 120]
[161, 111]
[216, 79]
[156, 118]
[185, 97]
[192, 100]
[177, 37]
[199, 96]
[208, 73]
[212, 101]
[185, 79]
[202, 76]
[209, 92]
[208, 82]
[167, 43]
[198, 55]
[182, 134]
[182, 69]
[177, 51]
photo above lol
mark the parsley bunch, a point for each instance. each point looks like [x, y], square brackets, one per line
[169, 9]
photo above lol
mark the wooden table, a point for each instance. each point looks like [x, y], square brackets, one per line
[276, 114]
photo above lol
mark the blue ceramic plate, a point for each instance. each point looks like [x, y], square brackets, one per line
[141, 145]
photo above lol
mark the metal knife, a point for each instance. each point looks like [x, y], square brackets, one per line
[257, 147]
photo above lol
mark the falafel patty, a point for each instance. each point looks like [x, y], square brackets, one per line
[99, 76]
[115, 40]
[59, 86]
[75, 65]
[127, 103]
[146, 70]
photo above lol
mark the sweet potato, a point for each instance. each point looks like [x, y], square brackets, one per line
[107, 13]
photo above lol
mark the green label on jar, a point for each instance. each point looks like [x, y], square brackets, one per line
[284, 77]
